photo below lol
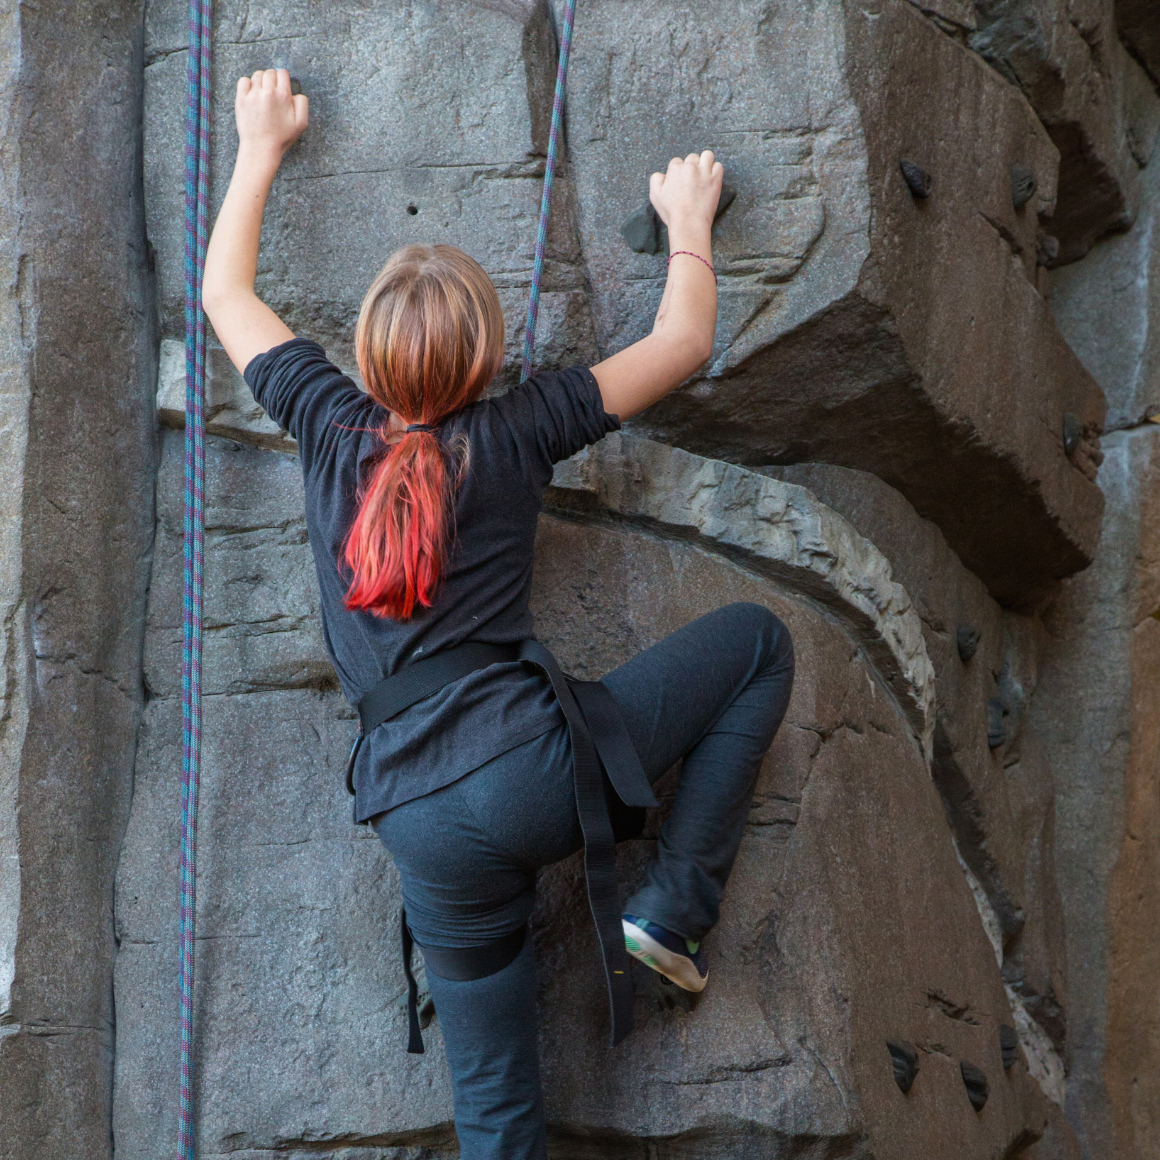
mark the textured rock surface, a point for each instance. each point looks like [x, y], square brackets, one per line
[1099, 707]
[78, 351]
[999, 799]
[840, 337]
[438, 108]
[298, 907]
[1137, 24]
[1108, 306]
[823, 251]
[1095, 100]
[230, 407]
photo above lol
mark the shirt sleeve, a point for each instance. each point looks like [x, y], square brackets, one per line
[550, 417]
[305, 393]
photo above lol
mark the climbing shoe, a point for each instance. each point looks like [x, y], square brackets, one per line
[678, 959]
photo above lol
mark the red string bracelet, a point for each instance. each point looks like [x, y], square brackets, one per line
[697, 256]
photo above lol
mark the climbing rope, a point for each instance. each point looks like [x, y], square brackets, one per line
[196, 214]
[546, 200]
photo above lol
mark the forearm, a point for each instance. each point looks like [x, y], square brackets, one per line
[687, 315]
[231, 261]
[686, 321]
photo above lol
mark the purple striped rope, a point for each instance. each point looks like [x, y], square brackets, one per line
[546, 200]
[196, 214]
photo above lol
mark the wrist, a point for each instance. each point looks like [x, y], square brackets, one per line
[259, 158]
[693, 236]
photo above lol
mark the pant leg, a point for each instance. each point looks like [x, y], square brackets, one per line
[491, 1035]
[714, 693]
[467, 856]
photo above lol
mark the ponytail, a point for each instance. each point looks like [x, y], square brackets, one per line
[429, 340]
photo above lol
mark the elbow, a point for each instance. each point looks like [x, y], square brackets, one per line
[217, 300]
[699, 351]
[211, 299]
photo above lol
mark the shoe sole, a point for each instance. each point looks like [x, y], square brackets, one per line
[676, 968]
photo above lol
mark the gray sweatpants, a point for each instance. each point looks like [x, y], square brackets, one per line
[714, 694]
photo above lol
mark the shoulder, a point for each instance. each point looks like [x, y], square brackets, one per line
[549, 417]
[302, 390]
[551, 397]
[289, 360]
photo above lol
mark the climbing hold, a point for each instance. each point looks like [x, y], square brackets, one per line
[645, 233]
[1072, 432]
[1008, 1046]
[996, 730]
[1046, 249]
[1023, 185]
[976, 1084]
[642, 230]
[918, 181]
[904, 1056]
[967, 640]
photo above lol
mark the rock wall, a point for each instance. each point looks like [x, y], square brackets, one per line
[924, 439]
[1100, 705]
[78, 348]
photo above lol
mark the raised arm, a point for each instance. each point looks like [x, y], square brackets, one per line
[269, 121]
[685, 197]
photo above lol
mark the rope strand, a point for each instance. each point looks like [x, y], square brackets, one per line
[546, 199]
[197, 145]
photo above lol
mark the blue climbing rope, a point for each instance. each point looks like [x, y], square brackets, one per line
[546, 200]
[196, 215]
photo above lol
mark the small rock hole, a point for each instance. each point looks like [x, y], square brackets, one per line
[412, 210]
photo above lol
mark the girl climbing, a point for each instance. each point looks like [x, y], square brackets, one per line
[479, 762]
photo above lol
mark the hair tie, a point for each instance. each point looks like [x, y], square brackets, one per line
[432, 427]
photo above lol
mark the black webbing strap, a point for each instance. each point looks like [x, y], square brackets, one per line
[415, 1036]
[460, 964]
[599, 843]
[420, 679]
[598, 736]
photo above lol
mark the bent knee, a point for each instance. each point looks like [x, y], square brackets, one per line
[769, 632]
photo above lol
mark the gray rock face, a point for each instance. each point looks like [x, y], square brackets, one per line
[1137, 23]
[1115, 330]
[999, 799]
[838, 337]
[848, 921]
[1097, 708]
[439, 108]
[78, 350]
[1095, 100]
[966, 767]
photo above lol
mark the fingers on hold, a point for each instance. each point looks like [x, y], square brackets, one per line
[718, 169]
[282, 80]
[270, 79]
[257, 78]
[693, 158]
[706, 159]
[675, 161]
[243, 86]
[301, 108]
